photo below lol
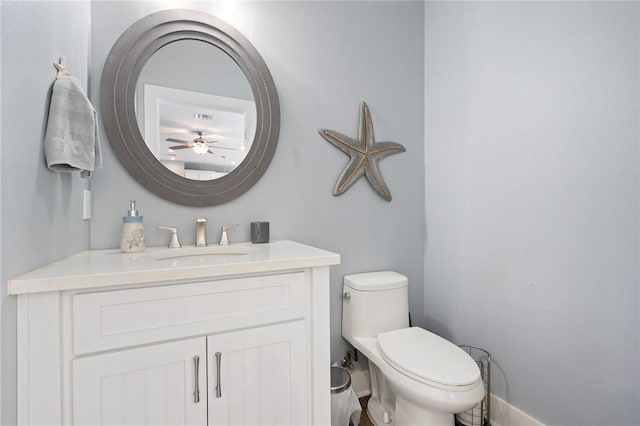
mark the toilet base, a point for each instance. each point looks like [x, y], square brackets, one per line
[375, 412]
[381, 405]
[386, 408]
[408, 414]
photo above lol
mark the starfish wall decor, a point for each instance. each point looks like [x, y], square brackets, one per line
[365, 154]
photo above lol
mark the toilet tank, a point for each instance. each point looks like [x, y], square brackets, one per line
[373, 303]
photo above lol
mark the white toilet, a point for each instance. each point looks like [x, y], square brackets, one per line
[417, 377]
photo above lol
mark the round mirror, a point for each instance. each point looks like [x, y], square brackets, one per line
[189, 107]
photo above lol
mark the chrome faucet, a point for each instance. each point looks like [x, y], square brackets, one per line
[175, 243]
[224, 239]
[201, 232]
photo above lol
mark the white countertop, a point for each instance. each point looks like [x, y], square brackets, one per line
[100, 268]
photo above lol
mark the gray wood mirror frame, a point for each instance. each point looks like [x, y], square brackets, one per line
[122, 68]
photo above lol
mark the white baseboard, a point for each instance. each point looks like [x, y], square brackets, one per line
[502, 413]
[505, 414]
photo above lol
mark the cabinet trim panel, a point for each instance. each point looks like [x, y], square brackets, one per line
[113, 319]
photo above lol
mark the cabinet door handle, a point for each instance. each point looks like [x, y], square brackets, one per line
[196, 392]
[218, 385]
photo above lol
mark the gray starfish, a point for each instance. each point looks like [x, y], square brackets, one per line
[365, 153]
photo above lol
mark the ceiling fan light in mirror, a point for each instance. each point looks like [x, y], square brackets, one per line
[200, 148]
[151, 160]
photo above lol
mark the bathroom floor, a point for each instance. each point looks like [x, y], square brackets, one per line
[364, 419]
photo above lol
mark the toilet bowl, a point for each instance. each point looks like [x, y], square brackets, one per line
[417, 377]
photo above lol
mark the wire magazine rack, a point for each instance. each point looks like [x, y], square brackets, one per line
[480, 415]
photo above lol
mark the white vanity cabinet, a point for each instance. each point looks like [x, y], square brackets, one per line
[196, 340]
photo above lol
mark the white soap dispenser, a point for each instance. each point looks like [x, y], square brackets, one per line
[132, 240]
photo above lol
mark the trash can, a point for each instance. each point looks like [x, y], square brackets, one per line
[345, 406]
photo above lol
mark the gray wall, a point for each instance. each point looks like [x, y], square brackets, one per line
[532, 182]
[41, 210]
[325, 57]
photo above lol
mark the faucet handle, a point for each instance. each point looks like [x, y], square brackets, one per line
[174, 236]
[224, 239]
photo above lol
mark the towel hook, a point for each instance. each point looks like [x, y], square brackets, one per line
[61, 66]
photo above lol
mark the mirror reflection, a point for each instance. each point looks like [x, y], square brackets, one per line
[195, 109]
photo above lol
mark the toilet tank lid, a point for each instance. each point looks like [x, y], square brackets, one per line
[374, 281]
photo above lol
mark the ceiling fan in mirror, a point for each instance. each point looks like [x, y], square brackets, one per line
[199, 144]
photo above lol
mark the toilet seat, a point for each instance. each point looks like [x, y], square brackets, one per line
[428, 358]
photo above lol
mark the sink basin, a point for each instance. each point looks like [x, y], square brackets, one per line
[199, 252]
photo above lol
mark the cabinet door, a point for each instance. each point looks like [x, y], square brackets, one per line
[154, 385]
[259, 376]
